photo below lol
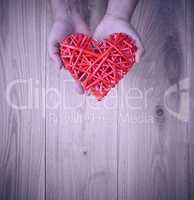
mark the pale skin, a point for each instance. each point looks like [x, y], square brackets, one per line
[67, 19]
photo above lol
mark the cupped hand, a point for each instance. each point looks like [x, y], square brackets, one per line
[62, 27]
[112, 24]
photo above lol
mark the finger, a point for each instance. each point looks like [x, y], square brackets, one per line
[78, 88]
[56, 59]
[139, 53]
[137, 56]
[140, 48]
[54, 53]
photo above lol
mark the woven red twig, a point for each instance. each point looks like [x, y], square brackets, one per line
[99, 66]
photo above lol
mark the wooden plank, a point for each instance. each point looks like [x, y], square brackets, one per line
[22, 77]
[153, 147]
[81, 142]
[190, 61]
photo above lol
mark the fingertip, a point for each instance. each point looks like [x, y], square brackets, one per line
[57, 61]
[142, 50]
[78, 88]
[139, 54]
[137, 58]
[139, 45]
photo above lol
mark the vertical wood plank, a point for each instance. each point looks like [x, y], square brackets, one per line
[153, 123]
[81, 142]
[22, 77]
[190, 61]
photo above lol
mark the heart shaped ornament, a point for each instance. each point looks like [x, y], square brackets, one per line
[98, 65]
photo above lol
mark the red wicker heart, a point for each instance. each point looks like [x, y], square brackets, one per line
[99, 66]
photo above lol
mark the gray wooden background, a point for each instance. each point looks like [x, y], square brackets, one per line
[137, 144]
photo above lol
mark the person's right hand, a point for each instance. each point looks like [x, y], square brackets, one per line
[62, 27]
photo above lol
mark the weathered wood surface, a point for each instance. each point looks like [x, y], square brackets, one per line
[131, 146]
[153, 161]
[22, 131]
[190, 29]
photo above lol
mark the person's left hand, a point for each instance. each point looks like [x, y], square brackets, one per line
[112, 24]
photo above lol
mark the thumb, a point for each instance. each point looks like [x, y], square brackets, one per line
[140, 50]
[54, 53]
[78, 87]
[56, 59]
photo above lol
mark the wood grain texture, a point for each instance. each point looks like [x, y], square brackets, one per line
[153, 150]
[131, 146]
[22, 132]
[190, 61]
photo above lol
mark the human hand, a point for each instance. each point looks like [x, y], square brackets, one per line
[62, 27]
[112, 24]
